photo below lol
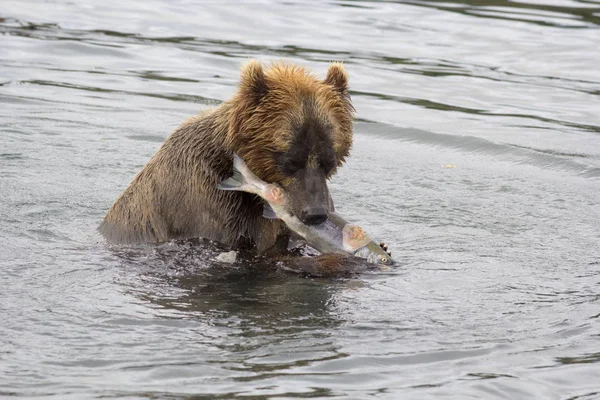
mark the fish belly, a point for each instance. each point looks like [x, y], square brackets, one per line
[326, 237]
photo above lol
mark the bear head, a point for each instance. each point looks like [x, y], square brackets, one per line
[293, 129]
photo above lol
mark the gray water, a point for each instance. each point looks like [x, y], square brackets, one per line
[476, 158]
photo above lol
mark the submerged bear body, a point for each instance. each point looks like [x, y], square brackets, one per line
[291, 128]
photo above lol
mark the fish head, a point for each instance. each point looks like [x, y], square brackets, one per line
[377, 255]
[374, 254]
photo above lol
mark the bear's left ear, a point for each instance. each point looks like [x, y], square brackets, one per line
[253, 81]
[337, 77]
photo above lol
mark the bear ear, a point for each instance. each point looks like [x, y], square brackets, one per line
[337, 77]
[253, 81]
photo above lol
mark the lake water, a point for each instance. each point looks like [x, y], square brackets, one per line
[476, 158]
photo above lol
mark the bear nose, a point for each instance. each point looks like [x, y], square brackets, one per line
[313, 216]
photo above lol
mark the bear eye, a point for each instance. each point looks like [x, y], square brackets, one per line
[291, 167]
[327, 166]
[290, 163]
[294, 165]
[327, 159]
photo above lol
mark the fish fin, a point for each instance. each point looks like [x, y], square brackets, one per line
[237, 180]
[233, 183]
[354, 237]
[268, 212]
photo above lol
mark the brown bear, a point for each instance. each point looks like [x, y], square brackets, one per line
[290, 127]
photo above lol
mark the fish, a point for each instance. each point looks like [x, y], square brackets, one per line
[335, 235]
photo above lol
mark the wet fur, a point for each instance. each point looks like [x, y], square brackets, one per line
[281, 117]
[330, 265]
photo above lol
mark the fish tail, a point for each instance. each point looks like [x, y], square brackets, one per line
[238, 180]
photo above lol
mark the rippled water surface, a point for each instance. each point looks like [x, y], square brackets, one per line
[476, 158]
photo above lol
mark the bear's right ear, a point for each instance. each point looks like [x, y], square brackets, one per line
[253, 81]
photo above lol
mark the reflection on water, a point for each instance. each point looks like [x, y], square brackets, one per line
[497, 293]
[255, 321]
[249, 289]
[570, 14]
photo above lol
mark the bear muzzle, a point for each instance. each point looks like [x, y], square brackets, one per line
[309, 196]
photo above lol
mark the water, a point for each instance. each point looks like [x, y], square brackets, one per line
[476, 158]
